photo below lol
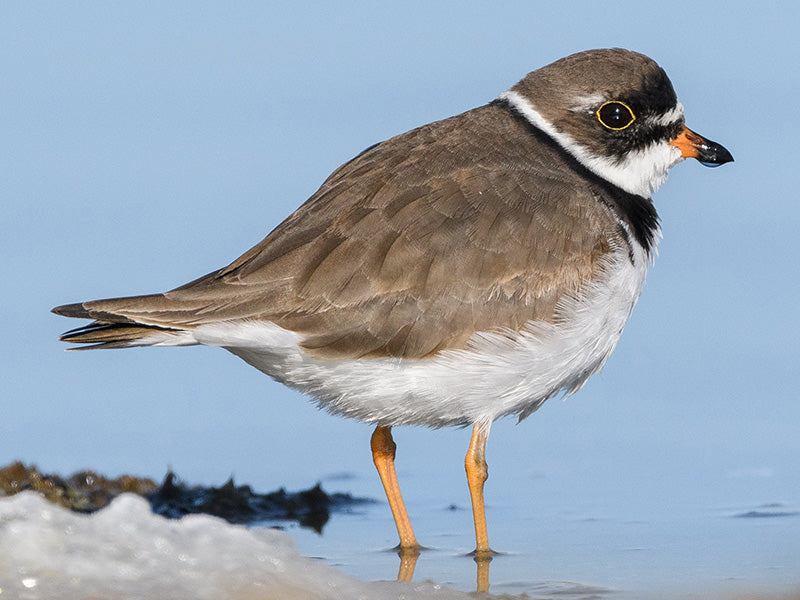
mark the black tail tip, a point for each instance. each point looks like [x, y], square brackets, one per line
[71, 310]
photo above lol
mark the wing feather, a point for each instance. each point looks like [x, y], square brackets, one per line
[468, 224]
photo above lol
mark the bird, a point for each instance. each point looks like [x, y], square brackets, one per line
[463, 271]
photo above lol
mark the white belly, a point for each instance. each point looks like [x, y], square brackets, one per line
[499, 373]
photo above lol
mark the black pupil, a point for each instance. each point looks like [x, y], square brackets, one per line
[615, 115]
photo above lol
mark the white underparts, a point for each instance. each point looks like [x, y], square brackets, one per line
[498, 373]
[641, 172]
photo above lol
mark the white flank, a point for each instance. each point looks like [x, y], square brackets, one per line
[499, 373]
[641, 172]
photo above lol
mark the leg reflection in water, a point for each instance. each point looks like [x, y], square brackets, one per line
[408, 562]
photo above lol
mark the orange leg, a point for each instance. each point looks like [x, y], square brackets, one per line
[477, 473]
[383, 451]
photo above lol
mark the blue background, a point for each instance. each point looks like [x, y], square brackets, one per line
[144, 146]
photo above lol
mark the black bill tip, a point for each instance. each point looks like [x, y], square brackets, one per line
[693, 145]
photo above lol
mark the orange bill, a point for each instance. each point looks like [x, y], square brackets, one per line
[693, 145]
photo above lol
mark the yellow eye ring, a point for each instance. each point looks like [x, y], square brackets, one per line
[615, 115]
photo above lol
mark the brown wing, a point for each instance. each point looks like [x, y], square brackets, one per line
[468, 224]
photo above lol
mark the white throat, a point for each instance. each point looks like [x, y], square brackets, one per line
[641, 172]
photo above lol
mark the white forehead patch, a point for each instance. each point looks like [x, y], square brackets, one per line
[675, 115]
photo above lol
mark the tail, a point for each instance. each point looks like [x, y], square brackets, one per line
[123, 323]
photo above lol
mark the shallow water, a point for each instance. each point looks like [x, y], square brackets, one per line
[579, 551]
[633, 515]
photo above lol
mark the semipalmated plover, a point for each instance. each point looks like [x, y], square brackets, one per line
[463, 271]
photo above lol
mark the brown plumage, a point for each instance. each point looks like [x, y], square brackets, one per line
[406, 250]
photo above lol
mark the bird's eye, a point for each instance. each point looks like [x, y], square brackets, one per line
[615, 115]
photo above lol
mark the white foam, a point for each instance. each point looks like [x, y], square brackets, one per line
[126, 552]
